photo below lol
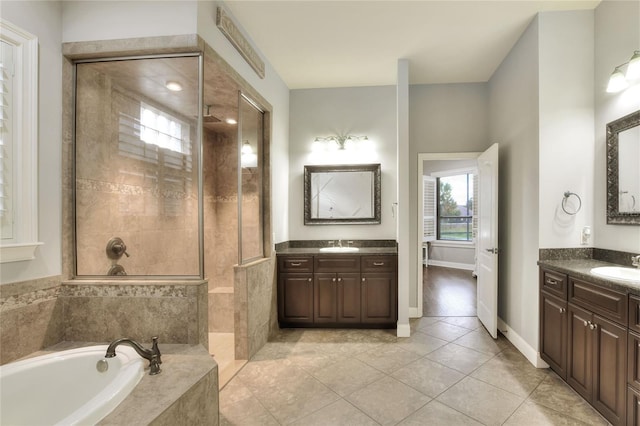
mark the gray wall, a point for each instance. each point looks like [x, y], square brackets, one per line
[617, 25]
[447, 118]
[369, 111]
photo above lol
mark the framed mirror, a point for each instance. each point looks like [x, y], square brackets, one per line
[344, 194]
[623, 173]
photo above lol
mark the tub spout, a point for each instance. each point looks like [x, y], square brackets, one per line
[152, 355]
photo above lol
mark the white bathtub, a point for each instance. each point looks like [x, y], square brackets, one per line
[65, 388]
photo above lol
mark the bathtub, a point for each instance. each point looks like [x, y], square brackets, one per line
[66, 388]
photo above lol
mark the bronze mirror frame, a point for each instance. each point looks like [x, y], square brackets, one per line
[373, 220]
[614, 215]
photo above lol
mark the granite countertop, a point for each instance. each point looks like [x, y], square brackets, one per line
[316, 250]
[581, 269]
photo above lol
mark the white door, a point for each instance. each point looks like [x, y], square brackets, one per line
[488, 240]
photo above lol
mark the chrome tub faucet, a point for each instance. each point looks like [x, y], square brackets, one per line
[152, 355]
[635, 261]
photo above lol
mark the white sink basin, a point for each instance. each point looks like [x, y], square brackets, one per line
[339, 249]
[618, 273]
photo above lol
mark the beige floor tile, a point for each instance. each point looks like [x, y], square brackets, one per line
[388, 401]
[388, 358]
[221, 347]
[459, 358]
[472, 323]
[338, 413]
[295, 397]
[485, 403]
[436, 413]
[444, 331]
[533, 414]
[418, 323]
[420, 343]
[512, 372]
[556, 394]
[481, 340]
[429, 377]
[239, 407]
[347, 376]
[260, 376]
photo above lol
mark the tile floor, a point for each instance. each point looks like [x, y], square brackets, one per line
[449, 372]
[222, 349]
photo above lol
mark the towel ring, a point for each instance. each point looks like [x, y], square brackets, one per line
[568, 194]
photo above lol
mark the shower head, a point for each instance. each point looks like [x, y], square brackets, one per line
[208, 118]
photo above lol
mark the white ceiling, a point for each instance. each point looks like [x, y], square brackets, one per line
[333, 43]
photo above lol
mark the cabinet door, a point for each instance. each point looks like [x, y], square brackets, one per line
[553, 333]
[580, 351]
[295, 298]
[633, 360]
[325, 297]
[610, 362]
[379, 298]
[349, 298]
[633, 407]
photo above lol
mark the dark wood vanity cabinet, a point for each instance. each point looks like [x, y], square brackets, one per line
[345, 290]
[583, 337]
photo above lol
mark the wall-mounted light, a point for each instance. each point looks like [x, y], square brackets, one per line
[248, 158]
[619, 80]
[334, 143]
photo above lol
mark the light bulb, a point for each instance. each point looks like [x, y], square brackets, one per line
[633, 68]
[617, 81]
[246, 148]
[174, 86]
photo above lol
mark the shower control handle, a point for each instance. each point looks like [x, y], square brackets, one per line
[116, 248]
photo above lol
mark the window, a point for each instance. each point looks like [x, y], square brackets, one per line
[455, 207]
[163, 130]
[18, 144]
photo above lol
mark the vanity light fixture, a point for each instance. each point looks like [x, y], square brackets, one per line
[332, 143]
[174, 86]
[230, 121]
[619, 80]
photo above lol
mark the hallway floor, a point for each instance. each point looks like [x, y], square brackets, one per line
[449, 372]
[448, 292]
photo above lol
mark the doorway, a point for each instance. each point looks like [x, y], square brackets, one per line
[456, 220]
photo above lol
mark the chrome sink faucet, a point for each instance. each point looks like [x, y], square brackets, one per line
[635, 261]
[152, 355]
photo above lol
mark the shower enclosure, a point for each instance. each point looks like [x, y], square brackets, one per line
[169, 177]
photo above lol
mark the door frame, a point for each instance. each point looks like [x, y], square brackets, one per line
[422, 157]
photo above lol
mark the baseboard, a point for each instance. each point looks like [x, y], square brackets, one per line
[454, 265]
[403, 330]
[532, 355]
[414, 313]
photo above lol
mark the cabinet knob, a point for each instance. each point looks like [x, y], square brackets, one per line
[551, 281]
[592, 326]
[562, 310]
[339, 279]
[586, 323]
[364, 279]
[333, 279]
[378, 263]
[296, 263]
[309, 279]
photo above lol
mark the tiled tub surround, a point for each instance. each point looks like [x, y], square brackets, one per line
[30, 317]
[185, 392]
[40, 313]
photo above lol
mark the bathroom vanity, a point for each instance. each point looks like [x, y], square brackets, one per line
[358, 289]
[590, 335]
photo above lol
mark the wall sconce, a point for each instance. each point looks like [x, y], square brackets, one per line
[248, 159]
[620, 81]
[333, 143]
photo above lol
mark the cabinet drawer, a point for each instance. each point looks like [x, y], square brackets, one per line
[609, 303]
[554, 283]
[378, 263]
[295, 263]
[337, 264]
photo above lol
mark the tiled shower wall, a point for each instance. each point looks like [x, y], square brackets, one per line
[128, 189]
[220, 168]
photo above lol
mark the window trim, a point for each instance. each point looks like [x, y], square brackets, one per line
[25, 159]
